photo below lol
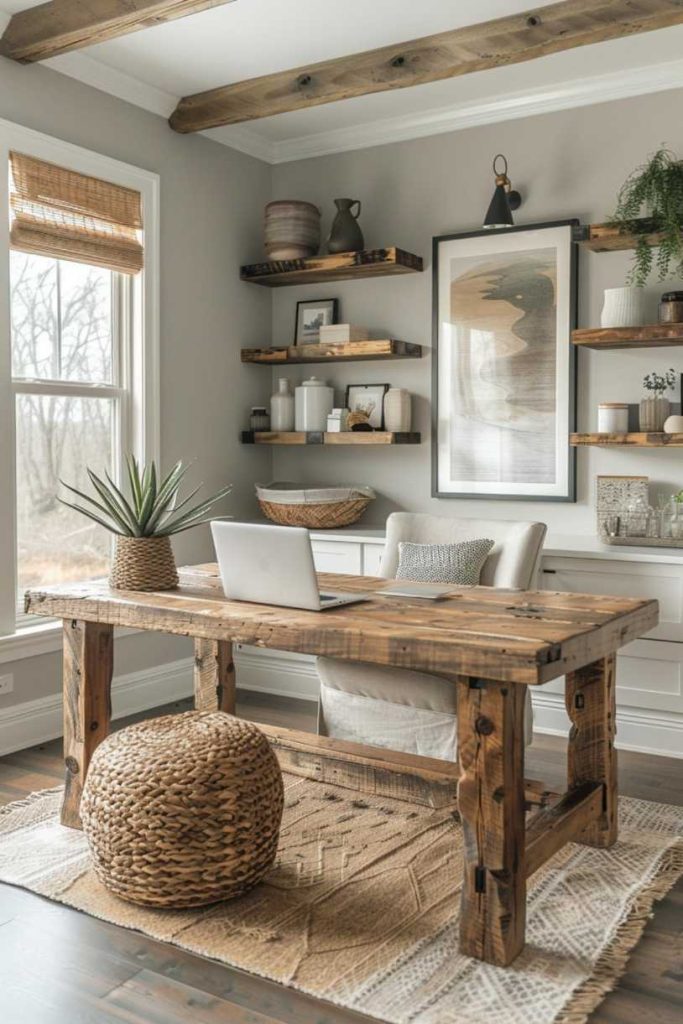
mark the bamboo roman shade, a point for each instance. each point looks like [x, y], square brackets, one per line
[70, 216]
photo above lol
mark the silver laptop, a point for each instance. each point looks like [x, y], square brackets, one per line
[271, 565]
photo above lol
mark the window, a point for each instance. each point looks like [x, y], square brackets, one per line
[78, 351]
[69, 341]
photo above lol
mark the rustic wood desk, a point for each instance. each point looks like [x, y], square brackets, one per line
[491, 643]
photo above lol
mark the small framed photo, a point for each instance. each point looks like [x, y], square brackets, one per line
[311, 315]
[368, 398]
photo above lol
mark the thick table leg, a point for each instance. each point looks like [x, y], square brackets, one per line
[591, 705]
[88, 664]
[214, 676]
[491, 805]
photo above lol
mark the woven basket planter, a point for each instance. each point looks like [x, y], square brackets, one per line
[143, 563]
[184, 810]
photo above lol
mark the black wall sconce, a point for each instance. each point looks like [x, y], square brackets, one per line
[505, 199]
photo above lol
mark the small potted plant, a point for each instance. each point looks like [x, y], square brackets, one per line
[143, 521]
[655, 408]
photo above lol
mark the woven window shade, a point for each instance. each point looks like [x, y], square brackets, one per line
[70, 216]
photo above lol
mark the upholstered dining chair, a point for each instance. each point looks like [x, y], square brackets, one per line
[412, 711]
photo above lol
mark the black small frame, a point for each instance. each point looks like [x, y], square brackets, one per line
[314, 302]
[574, 224]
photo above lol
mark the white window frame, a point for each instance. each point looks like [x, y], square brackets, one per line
[141, 430]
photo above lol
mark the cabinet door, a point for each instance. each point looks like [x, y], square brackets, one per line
[372, 556]
[622, 579]
[650, 675]
[337, 556]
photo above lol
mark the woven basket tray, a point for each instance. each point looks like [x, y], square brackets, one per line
[316, 516]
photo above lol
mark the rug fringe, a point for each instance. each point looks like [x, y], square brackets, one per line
[32, 798]
[612, 963]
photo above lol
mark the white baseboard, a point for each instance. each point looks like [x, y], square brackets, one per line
[37, 721]
[646, 732]
[293, 675]
[278, 672]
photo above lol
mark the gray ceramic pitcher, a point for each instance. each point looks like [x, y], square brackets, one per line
[346, 235]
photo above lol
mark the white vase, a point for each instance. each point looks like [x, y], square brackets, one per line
[624, 307]
[282, 407]
[397, 411]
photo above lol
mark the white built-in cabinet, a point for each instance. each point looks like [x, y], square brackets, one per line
[649, 670]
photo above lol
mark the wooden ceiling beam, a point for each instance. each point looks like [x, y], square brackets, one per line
[490, 44]
[63, 25]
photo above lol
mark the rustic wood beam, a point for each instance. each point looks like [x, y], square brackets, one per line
[63, 25]
[490, 44]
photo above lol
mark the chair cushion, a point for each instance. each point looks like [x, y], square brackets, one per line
[443, 563]
[359, 719]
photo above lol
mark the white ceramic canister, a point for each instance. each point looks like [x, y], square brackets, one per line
[613, 418]
[282, 407]
[624, 307]
[397, 411]
[313, 402]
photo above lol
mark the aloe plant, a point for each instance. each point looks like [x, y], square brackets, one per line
[151, 508]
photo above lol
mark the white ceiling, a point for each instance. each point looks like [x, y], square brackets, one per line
[247, 38]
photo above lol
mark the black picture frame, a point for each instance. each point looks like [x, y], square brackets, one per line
[570, 368]
[384, 388]
[332, 306]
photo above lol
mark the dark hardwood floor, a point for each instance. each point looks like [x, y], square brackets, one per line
[58, 966]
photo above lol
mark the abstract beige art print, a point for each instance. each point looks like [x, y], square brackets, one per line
[504, 308]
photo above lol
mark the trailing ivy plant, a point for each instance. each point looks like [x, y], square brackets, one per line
[654, 191]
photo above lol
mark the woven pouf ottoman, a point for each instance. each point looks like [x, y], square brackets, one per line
[183, 810]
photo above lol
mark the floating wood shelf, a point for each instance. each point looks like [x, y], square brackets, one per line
[606, 238]
[649, 336]
[637, 440]
[340, 267]
[351, 350]
[346, 437]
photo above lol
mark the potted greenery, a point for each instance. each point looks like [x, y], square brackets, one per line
[143, 521]
[651, 202]
[654, 409]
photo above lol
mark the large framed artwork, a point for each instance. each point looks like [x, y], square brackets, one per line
[503, 390]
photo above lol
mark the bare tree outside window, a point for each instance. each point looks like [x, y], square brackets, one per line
[65, 370]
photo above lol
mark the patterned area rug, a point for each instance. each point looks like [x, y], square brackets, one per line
[362, 908]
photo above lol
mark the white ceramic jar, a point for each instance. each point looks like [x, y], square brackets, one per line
[397, 411]
[282, 407]
[613, 418]
[313, 402]
[624, 307]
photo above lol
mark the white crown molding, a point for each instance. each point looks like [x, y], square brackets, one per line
[578, 92]
[125, 87]
[117, 83]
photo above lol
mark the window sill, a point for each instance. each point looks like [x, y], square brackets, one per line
[42, 638]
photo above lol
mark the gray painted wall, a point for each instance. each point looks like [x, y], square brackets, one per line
[567, 164]
[211, 209]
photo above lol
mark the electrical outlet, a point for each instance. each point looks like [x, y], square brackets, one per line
[6, 684]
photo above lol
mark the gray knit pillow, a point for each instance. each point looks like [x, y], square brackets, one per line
[443, 563]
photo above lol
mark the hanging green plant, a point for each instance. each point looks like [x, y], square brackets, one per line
[651, 201]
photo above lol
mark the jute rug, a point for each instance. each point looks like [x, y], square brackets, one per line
[362, 908]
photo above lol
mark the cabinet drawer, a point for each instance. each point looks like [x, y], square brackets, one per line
[664, 583]
[337, 556]
[372, 556]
